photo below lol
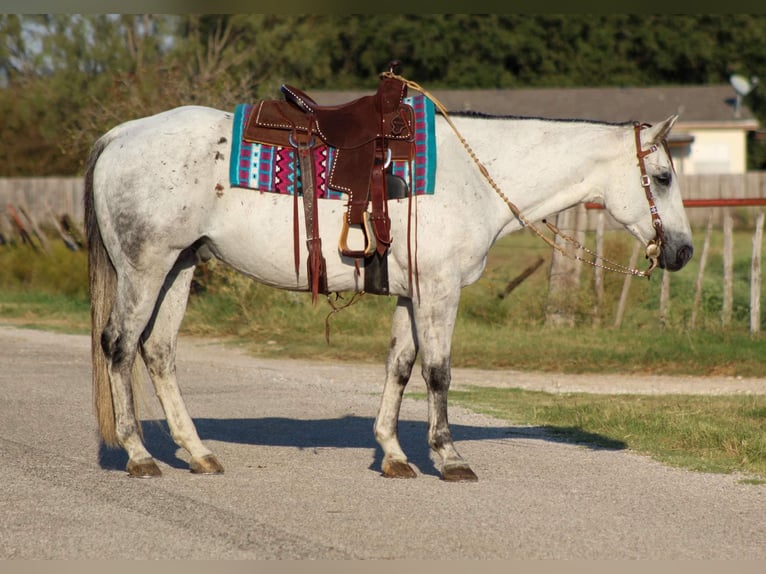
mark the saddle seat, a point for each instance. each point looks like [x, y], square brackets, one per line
[359, 121]
[345, 126]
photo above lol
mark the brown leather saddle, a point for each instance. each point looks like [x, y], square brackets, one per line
[367, 133]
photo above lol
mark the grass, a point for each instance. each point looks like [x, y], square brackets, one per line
[510, 332]
[50, 291]
[44, 290]
[721, 434]
[45, 310]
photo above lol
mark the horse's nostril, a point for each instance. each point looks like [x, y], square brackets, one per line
[685, 254]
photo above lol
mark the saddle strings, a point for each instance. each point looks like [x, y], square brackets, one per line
[337, 309]
[608, 264]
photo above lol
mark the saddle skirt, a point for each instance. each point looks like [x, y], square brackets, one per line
[273, 168]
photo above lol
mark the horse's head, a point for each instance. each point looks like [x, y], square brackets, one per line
[648, 202]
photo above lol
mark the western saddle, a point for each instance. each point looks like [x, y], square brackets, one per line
[366, 133]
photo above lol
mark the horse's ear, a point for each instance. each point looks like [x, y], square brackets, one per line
[659, 132]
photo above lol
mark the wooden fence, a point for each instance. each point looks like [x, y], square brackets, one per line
[29, 203]
[63, 195]
[714, 209]
[728, 264]
[41, 195]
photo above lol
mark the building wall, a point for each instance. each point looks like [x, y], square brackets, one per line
[713, 151]
[718, 151]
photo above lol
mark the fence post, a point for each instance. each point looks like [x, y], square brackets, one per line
[564, 275]
[598, 271]
[701, 272]
[755, 276]
[626, 286]
[728, 267]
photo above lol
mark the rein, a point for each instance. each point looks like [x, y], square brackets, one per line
[653, 247]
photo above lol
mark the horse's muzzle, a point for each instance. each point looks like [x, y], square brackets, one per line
[683, 255]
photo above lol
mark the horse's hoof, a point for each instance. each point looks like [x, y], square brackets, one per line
[145, 468]
[459, 473]
[208, 464]
[397, 469]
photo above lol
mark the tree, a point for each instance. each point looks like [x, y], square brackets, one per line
[66, 79]
[56, 69]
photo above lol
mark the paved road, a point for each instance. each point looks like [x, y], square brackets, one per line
[302, 473]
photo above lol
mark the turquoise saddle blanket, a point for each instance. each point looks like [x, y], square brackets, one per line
[273, 168]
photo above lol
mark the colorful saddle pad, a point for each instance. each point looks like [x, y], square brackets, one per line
[273, 168]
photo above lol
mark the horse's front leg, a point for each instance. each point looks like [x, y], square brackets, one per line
[435, 323]
[401, 357]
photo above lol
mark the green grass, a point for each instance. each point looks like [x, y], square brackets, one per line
[587, 350]
[50, 290]
[721, 434]
[44, 290]
[58, 272]
[46, 310]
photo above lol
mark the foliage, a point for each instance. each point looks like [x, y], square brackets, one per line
[282, 323]
[65, 79]
[57, 272]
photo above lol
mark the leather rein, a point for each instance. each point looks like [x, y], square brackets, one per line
[653, 247]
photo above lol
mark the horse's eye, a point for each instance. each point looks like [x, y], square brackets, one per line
[663, 178]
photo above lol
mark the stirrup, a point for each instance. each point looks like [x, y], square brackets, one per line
[370, 244]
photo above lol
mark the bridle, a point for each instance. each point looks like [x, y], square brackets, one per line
[653, 247]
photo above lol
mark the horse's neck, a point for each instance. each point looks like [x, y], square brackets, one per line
[542, 166]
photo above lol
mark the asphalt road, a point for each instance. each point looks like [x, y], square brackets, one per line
[303, 477]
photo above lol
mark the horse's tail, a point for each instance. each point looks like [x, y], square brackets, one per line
[102, 280]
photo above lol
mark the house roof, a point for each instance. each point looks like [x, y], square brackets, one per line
[697, 106]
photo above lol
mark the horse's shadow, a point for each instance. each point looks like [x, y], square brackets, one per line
[344, 432]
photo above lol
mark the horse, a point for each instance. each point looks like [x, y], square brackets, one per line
[156, 195]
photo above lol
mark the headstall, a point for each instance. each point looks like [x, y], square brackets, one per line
[654, 247]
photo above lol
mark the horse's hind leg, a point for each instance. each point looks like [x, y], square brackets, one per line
[158, 349]
[401, 357]
[133, 307]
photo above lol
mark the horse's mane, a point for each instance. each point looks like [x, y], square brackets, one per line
[486, 116]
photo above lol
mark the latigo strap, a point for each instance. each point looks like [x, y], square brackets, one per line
[316, 265]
